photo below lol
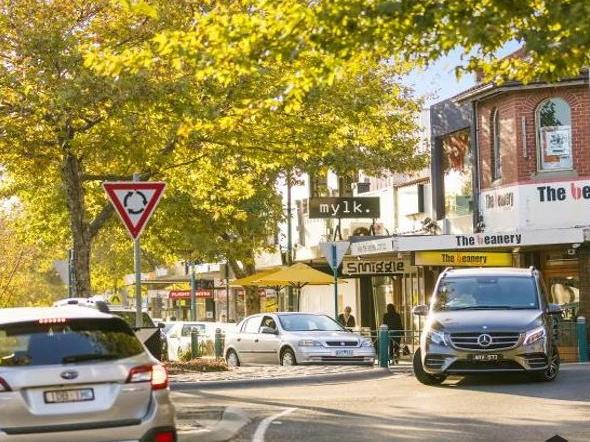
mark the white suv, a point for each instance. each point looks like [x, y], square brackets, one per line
[69, 374]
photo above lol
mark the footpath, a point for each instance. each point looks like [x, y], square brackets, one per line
[273, 374]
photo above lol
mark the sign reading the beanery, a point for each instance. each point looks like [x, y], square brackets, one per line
[463, 259]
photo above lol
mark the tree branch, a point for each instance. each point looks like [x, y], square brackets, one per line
[100, 219]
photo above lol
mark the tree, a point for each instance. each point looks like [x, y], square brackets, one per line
[556, 35]
[64, 128]
[26, 277]
[100, 94]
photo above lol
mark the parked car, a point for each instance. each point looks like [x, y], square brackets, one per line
[295, 338]
[150, 333]
[487, 321]
[179, 336]
[73, 374]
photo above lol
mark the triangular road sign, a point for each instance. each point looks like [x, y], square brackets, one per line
[135, 202]
[334, 252]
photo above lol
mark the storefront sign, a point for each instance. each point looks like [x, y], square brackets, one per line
[367, 207]
[471, 241]
[186, 294]
[463, 259]
[385, 266]
[539, 205]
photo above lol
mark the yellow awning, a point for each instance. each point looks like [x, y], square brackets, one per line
[298, 275]
[252, 280]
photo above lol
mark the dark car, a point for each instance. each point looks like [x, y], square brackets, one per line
[488, 321]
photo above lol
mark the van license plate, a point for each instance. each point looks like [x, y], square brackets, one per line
[486, 357]
[61, 396]
[343, 352]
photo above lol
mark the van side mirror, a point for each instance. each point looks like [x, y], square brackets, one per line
[554, 309]
[420, 310]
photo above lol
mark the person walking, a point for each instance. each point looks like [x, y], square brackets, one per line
[396, 329]
[346, 319]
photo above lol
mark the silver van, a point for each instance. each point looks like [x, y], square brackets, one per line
[487, 321]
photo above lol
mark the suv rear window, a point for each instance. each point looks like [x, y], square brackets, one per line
[72, 341]
[129, 318]
[486, 292]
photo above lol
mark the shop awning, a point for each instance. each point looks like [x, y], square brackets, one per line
[297, 275]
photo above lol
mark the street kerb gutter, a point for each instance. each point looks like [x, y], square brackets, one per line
[376, 373]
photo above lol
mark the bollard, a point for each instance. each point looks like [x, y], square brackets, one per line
[194, 343]
[582, 339]
[218, 343]
[383, 346]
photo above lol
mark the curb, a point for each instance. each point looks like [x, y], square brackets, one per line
[230, 424]
[375, 373]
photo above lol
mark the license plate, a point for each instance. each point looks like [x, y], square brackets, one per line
[343, 352]
[486, 357]
[61, 396]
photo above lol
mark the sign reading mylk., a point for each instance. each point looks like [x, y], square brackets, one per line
[367, 207]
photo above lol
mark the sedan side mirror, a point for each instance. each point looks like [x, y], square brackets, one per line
[554, 309]
[268, 331]
[420, 310]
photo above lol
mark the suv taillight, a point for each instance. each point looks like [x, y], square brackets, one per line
[4, 386]
[155, 374]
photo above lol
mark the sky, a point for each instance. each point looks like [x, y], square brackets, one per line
[438, 81]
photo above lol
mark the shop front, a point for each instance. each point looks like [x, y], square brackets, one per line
[389, 279]
[560, 254]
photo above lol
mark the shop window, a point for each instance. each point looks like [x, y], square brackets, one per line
[554, 145]
[345, 184]
[496, 160]
[457, 180]
[318, 186]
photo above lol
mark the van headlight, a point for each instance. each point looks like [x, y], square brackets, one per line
[309, 343]
[366, 343]
[437, 337]
[534, 335]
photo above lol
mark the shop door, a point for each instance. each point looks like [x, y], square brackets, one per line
[563, 288]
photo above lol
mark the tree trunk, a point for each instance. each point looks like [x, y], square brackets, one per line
[81, 237]
[252, 298]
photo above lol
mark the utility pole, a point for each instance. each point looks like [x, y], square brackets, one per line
[193, 291]
[137, 260]
[290, 303]
[227, 290]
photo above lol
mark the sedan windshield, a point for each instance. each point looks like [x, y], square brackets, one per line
[488, 292]
[309, 322]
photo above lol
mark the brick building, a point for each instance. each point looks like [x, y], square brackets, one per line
[510, 186]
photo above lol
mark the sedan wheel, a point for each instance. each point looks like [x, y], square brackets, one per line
[288, 358]
[232, 359]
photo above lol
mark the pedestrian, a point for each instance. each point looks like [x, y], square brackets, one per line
[396, 329]
[346, 319]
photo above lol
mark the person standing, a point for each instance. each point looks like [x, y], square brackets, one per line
[396, 329]
[346, 319]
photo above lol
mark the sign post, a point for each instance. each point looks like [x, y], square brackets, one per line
[135, 203]
[334, 253]
[193, 292]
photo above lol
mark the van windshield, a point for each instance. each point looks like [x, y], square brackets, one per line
[487, 292]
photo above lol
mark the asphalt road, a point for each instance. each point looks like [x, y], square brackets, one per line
[498, 408]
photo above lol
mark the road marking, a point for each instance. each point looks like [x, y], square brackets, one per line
[261, 430]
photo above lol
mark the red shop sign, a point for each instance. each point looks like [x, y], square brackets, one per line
[186, 294]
